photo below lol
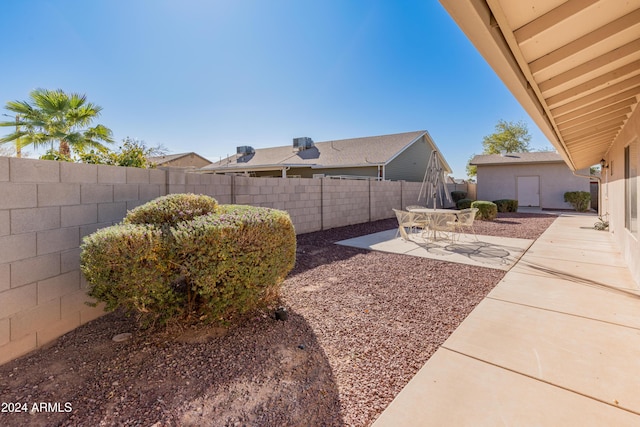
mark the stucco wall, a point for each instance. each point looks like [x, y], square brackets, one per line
[613, 196]
[47, 207]
[500, 182]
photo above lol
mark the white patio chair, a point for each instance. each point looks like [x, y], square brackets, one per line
[405, 220]
[466, 217]
[442, 223]
[420, 219]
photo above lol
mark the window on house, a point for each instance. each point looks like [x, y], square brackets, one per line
[631, 187]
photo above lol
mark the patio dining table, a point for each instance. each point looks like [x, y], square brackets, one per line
[437, 216]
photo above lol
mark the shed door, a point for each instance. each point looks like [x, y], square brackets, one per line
[528, 190]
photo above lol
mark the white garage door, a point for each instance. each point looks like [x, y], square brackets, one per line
[528, 190]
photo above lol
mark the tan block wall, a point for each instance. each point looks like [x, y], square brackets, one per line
[47, 207]
[344, 202]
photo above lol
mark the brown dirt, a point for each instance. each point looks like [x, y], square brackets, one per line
[360, 325]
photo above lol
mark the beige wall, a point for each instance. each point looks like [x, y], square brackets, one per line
[613, 196]
[47, 207]
[500, 182]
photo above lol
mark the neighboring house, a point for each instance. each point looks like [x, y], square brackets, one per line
[533, 179]
[401, 156]
[573, 66]
[181, 161]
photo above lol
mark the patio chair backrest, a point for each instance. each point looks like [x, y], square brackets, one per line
[467, 216]
[442, 221]
[405, 219]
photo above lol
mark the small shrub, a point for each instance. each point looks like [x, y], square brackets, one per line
[172, 209]
[487, 211]
[506, 205]
[464, 203]
[580, 200]
[221, 261]
[602, 224]
[458, 195]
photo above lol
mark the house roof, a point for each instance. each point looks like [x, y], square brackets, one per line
[354, 152]
[159, 160]
[511, 158]
[573, 65]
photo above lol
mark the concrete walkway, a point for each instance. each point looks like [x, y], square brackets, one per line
[556, 343]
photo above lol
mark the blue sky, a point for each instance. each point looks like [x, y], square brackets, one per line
[209, 75]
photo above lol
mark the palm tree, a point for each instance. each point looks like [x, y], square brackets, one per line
[54, 116]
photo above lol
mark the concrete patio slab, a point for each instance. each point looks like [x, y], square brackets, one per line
[487, 251]
[577, 253]
[556, 342]
[455, 390]
[574, 270]
[576, 297]
[571, 352]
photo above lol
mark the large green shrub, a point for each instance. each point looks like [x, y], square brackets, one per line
[458, 195]
[126, 266]
[506, 205]
[235, 260]
[580, 200]
[220, 261]
[172, 209]
[464, 203]
[487, 211]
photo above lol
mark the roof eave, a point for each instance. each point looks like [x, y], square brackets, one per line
[476, 20]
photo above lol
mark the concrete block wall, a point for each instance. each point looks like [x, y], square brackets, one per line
[344, 202]
[47, 207]
[385, 196]
[410, 193]
[300, 197]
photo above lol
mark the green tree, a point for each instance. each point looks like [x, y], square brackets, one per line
[472, 170]
[52, 116]
[511, 137]
[132, 153]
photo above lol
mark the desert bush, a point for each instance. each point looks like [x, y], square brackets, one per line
[212, 265]
[506, 205]
[127, 266]
[237, 260]
[458, 195]
[464, 203]
[172, 209]
[580, 200]
[487, 211]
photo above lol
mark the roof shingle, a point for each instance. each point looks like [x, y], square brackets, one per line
[510, 158]
[340, 153]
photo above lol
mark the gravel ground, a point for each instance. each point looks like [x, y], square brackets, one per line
[360, 325]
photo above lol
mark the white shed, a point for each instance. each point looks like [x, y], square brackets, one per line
[537, 179]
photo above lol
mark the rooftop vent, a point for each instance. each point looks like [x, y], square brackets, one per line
[302, 143]
[244, 150]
